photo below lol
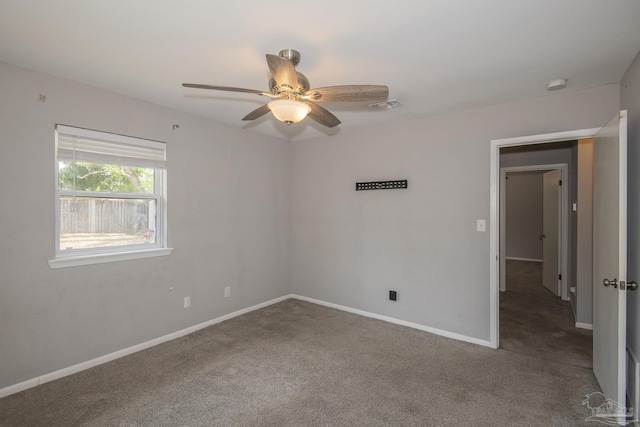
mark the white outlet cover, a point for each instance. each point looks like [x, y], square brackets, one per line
[481, 225]
[187, 302]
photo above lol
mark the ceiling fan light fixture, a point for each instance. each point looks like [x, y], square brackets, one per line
[289, 111]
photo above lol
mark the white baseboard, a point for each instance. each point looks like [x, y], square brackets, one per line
[523, 259]
[15, 388]
[429, 329]
[581, 325]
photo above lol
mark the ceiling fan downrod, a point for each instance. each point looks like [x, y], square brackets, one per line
[292, 55]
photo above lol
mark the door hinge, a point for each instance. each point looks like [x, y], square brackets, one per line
[559, 276]
[560, 183]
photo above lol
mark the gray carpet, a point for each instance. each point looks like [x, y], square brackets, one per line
[300, 364]
[534, 321]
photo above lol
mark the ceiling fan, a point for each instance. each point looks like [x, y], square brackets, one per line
[292, 98]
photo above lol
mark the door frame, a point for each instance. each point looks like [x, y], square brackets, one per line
[563, 238]
[494, 214]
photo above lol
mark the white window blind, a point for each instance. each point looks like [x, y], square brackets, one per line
[84, 145]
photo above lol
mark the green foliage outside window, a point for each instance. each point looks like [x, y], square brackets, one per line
[105, 178]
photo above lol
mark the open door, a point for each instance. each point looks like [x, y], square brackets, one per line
[610, 258]
[551, 231]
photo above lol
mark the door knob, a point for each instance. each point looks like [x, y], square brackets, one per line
[632, 286]
[542, 236]
[607, 282]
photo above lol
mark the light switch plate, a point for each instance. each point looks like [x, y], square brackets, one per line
[481, 225]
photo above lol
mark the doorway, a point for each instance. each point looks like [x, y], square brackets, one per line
[609, 176]
[494, 217]
[556, 247]
[552, 242]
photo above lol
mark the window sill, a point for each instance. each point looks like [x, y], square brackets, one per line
[102, 258]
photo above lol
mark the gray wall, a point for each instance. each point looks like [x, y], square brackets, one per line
[524, 215]
[350, 247]
[630, 101]
[582, 300]
[539, 154]
[229, 222]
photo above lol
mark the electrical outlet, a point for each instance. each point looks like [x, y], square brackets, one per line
[187, 302]
[481, 225]
[393, 295]
[227, 291]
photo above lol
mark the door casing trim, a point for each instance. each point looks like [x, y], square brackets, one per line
[494, 208]
[563, 168]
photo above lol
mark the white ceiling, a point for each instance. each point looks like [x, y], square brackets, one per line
[436, 56]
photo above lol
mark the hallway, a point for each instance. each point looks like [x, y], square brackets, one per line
[535, 322]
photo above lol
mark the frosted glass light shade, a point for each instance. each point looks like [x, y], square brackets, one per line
[289, 111]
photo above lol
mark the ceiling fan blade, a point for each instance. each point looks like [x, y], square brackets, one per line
[258, 112]
[283, 71]
[322, 115]
[225, 88]
[348, 93]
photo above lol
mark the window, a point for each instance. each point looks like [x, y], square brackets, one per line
[109, 197]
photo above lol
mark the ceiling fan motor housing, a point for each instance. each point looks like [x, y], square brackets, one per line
[301, 87]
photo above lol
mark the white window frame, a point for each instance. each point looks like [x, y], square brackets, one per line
[75, 257]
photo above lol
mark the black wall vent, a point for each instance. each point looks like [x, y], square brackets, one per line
[381, 185]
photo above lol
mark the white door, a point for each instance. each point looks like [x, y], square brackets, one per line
[610, 257]
[551, 230]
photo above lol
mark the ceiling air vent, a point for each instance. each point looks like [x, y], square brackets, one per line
[387, 105]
